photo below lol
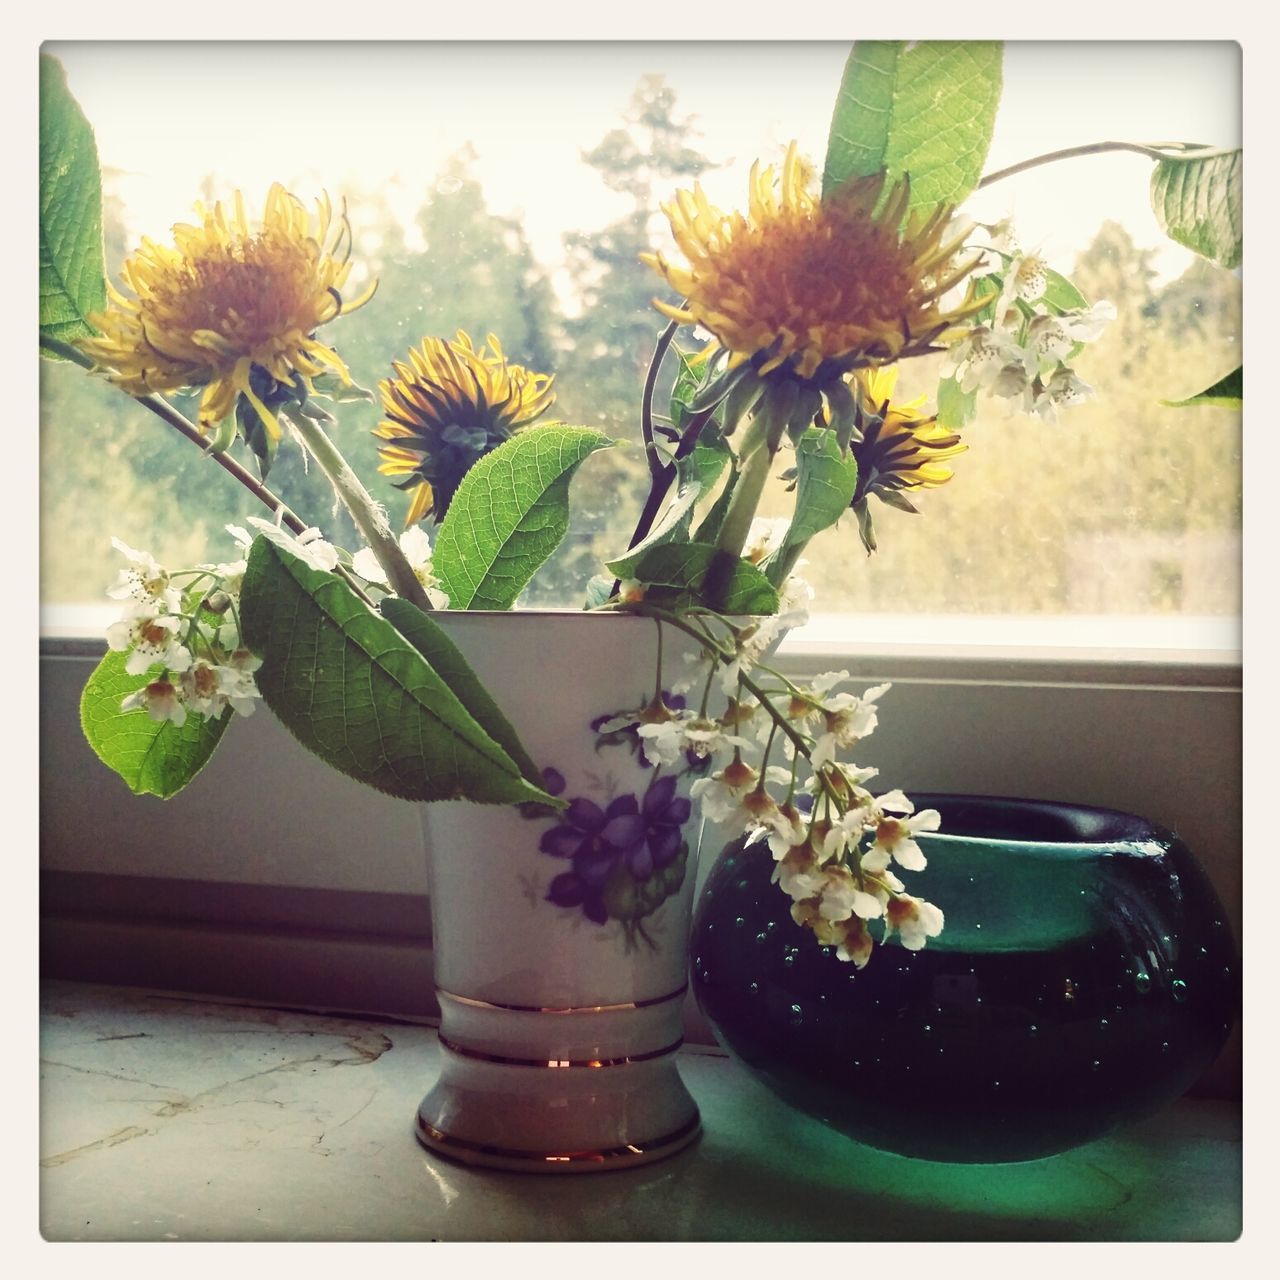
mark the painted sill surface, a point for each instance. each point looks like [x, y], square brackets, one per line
[171, 1118]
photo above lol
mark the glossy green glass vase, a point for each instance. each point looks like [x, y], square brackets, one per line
[1086, 975]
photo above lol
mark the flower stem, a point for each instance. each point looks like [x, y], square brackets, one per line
[737, 524]
[364, 511]
[746, 498]
[656, 465]
[1070, 153]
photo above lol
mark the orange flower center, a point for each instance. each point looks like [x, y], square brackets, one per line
[244, 292]
[821, 269]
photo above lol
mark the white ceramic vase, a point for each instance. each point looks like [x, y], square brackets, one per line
[561, 942]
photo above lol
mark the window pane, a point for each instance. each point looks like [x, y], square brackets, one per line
[520, 209]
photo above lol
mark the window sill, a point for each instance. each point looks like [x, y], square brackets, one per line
[208, 1146]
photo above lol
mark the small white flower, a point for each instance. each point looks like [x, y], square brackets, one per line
[1010, 382]
[208, 689]
[798, 873]
[764, 537]
[841, 897]
[417, 551]
[977, 359]
[309, 546]
[144, 584]
[709, 737]
[1050, 338]
[784, 828]
[663, 742]
[722, 795]
[913, 920]
[1025, 280]
[1063, 389]
[846, 831]
[896, 836]
[848, 720]
[160, 699]
[230, 576]
[151, 640]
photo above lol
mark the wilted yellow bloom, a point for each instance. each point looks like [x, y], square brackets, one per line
[899, 450]
[810, 283]
[446, 409]
[231, 309]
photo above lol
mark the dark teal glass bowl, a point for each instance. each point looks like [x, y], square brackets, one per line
[1086, 976]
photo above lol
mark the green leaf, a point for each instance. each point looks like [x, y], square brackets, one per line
[683, 567]
[355, 691]
[707, 460]
[1227, 392]
[153, 757]
[672, 527]
[72, 279]
[1061, 294]
[955, 407]
[709, 529]
[825, 484]
[682, 393]
[510, 512]
[1198, 201]
[434, 643]
[926, 109]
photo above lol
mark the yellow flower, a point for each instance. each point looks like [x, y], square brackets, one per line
[899, 450]
[809, 289]
[231, 309]
[445, 410]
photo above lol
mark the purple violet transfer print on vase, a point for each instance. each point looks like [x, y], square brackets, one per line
[625, 859]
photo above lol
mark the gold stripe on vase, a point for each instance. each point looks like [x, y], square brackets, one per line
[463, 1148]
[472, 1003]
[558, 1063]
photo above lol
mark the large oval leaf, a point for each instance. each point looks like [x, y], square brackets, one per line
[72, 280]
[926, 109]
[510, 512]
[446, 659]
[352, 689]
[1199, 203]
[153, 757]
[825, 484]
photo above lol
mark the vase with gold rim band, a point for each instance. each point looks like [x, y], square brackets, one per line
[560, 940]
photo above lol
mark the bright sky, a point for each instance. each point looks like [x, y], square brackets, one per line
[388, 115]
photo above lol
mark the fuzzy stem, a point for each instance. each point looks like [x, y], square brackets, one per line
[746, 498]
[364, 511]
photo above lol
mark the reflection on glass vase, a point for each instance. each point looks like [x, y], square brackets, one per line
[561, 940]
[1086, 976]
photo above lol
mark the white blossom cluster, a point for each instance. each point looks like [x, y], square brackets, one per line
[185, 638]
[833, 841]
[1021, 354]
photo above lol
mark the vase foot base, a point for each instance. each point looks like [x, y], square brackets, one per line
[489, 1156]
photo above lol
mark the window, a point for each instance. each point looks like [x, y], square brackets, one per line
[523, 215]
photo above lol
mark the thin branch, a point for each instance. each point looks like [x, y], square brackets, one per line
[646, 401]
[1070, 153]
